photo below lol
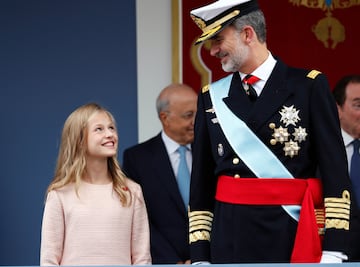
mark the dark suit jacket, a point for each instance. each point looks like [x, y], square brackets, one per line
[354, 250]
[148, 164]
[253, 233]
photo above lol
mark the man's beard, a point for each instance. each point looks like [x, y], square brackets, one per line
[230, 66]
[236, 60]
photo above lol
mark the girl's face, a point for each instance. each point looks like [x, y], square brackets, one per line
[102, 139]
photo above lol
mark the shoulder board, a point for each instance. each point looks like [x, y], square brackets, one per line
[312, 74]
[205, 89]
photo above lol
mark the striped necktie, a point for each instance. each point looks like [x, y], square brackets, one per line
[248, 81]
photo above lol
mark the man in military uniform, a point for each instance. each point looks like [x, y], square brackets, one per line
[261, 136]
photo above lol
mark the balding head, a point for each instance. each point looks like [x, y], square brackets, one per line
[176, 107]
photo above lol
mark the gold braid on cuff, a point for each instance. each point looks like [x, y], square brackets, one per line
[200, 223]
[337, 211]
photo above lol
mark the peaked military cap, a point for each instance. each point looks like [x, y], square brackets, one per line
[214, 17]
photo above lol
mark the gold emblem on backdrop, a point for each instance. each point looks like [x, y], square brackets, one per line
[328, 30]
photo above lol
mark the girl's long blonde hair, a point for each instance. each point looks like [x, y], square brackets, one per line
[71, 161]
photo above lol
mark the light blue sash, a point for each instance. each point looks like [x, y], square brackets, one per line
[252, 151]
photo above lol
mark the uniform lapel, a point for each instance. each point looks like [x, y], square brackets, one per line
[275, 92]
[272, 97]
[237, 101]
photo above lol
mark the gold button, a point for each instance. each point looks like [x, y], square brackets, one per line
[236, 176]
[273, 142]
[272, 125]
[236, 160]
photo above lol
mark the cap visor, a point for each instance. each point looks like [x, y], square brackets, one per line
[208, 34]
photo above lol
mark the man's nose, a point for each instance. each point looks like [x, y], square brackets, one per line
[214, 49]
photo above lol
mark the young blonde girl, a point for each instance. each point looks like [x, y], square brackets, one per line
[93, 214]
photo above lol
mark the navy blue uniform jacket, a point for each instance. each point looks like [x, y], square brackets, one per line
[242, 233]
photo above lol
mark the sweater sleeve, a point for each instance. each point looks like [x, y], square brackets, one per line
[52, 232]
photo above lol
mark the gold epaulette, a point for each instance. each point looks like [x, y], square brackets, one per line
[205, 89]
[312, 74]
[337, 211]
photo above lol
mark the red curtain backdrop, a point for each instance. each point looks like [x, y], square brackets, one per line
[303, 33]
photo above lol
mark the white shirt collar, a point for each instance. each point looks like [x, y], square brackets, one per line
[264, 70]
[170, 144]
[347, 138]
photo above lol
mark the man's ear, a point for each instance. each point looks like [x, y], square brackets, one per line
[339, 109]
[163, 116]
[249, 33]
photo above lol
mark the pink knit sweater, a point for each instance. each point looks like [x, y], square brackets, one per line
[94, 229]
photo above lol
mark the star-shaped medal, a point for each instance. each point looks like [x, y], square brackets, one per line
[300, 134]
[281, 134]
[289, 115]
[291, 148]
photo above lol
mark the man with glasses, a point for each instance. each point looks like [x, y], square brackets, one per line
[165, 179]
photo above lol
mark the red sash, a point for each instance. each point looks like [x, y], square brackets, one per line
[282, 191]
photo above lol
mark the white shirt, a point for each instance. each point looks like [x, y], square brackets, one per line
[348, 146]
[263, 72]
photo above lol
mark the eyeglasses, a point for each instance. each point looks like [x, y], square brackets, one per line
[186, 116]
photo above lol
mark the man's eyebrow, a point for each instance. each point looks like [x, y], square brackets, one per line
[216, 36]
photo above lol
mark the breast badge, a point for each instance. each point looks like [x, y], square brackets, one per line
[220, 150]
[281, 134]
[289, 115]
[300, 134]
[212, 111]
[291, 148]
